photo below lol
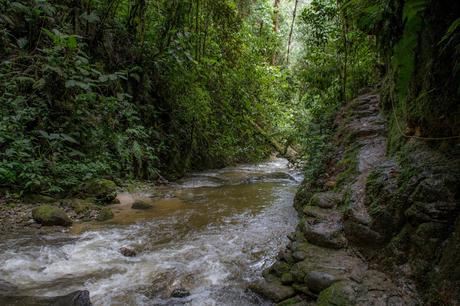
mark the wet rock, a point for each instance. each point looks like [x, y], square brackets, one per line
[361, 234]
[127, 251]
[273, 290]
[327, 234]
[50, 215]
[141, 204]
[105, 191]
[316, 212]
[287, 278]
[319, 281]
[325, 199]
[285, 255]
[299, 255]
[278, 268]
[294, 301]
[77, 298]
[340, 293]
[104, 214]
[302, 288]
[279, 176]
[180, 293]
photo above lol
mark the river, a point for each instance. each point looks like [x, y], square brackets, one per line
[210, 233]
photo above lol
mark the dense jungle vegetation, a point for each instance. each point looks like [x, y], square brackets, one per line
[135, 89]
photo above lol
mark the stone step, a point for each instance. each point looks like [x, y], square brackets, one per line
[326, 232]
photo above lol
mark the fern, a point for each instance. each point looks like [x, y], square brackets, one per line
[405, 49]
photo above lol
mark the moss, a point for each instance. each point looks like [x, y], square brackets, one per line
[51, 215]
[291, 302]
[349, 164]
[279, 268]
[105, 214]
[80, 206]
[335, 295]
[141, 204]
[105, 191]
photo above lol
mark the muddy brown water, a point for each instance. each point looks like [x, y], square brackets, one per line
[210, 233]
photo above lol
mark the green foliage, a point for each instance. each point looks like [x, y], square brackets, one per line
[338, 59]
[129, 89]
[405, 49]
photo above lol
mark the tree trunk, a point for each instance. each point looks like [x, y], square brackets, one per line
[276, 25]
[294, 15]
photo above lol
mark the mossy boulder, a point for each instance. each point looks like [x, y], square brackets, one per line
[141, 204]
[104, 214]
[273, 290]
[104, 191]
[338, 294]
[50, 215]
[80, 206]
[326, 200]
[294, 301]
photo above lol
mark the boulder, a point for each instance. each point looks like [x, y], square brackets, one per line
[50, 215]
[104, 214]
[80, 206]
[141, 204]
[327, 234]
[105, 191]
[294, 301]
[340, 293]
[319, 281]
[273, 290]
[287, 278]
[325, 199]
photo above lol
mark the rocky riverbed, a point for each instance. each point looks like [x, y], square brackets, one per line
[198, 241]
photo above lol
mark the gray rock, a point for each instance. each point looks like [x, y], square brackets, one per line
[325, 234]
[319, 281]
[327, 199]
[273, 290]
[299, 255]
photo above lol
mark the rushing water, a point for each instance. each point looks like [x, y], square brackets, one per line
[210, 233]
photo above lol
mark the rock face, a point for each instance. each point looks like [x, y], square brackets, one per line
[341, 225]
[51, 215]
[398, 214]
